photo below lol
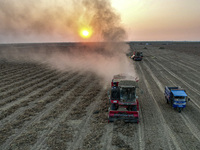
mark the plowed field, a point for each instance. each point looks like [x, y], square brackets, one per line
[42, 108]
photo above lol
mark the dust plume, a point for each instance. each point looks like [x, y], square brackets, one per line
[30, 21]
[42, 20]
[103, 59]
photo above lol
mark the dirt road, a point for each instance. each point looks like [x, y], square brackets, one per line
[41, 108]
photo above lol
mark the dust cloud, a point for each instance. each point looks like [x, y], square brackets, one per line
[42, 20]
[29, 20]
[103, 59]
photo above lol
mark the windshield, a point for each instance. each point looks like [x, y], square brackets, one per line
[137, 54]
[180, 98]
[127, 94]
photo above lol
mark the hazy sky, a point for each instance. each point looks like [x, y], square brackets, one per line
[160, 19]
[62, 20]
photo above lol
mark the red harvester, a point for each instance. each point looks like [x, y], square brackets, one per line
[123, 99]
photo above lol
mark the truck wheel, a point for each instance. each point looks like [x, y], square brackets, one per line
[171, 103]
[167, 100]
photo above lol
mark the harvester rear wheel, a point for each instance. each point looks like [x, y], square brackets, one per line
[110, 120]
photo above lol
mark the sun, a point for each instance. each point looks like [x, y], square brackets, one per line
[85, 33]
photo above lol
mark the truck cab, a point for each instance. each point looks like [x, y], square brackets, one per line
[177, 97]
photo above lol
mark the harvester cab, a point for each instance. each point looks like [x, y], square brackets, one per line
[137, 56]
[123, 99]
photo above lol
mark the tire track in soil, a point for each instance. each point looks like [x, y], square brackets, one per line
[175, 76]
[183, 82]
[167, 131]
[43, 111]
[11, 73]
[24, 92]
[84, 125]
[16, 67]
[187, 121]
[34, 114]
[6, 85]
[107, 138]
[193, 63]
[181, 73]
[177, 57]
[38, 92]
[16, 76]
[63, 136]
[141, 129]
[191, 109]
[65, 107]
[19, 81]
[168, 79]
[184, 66]
[9, 70]
[148, 119]
[192, 128]
[16, 123]
[6, 68]
[99, 130]
[125, 135]
[149, 125]
[24, 83]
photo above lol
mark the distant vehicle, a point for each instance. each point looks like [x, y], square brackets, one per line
[141, 54]
[177, 97]
[123, 99]
[137, 56]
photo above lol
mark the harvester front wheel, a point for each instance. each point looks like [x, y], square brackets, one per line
[113, 107]
[134, 108]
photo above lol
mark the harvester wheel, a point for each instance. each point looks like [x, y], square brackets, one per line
[113, 107]
[134, 108]
[110, 120]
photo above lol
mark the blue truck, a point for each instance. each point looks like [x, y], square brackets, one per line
[177, 97]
